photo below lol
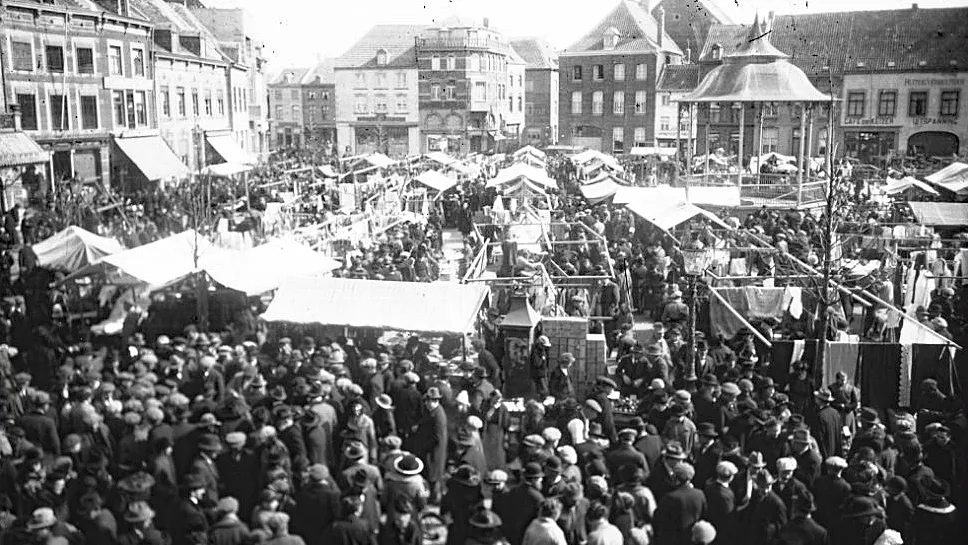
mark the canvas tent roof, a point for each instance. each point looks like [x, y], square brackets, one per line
[940, 213]
[435, 180]
[599, 190]
[74, 248]
[532, 160]
[666, 217]
[530, 150]
[590, 155]
[521, 170]
[437, 307]
[440, 157]
[263, 268]
[524, 185]
[953, 177]
[378, 160]
[894, 187]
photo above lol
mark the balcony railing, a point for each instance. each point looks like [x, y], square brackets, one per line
[460, 43]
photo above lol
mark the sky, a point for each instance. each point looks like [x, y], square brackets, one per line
[298, 32]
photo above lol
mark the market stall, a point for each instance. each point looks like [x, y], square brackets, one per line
[74, 248]
[264, 268]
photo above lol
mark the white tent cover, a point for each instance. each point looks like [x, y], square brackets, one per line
[437, 307]
[666, 217]
[440, 157]
[530, 150]
[225, 170]
[647, 150]
[379, 160]
[894, 187]
[74, 248]
[435, 180]
[953, 177]
[590, 155]
[264, 268]
[521, 170]
[699, 195]
[600, 190]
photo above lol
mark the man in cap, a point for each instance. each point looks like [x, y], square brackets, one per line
[429, 440]
[39, 428]
[540, 366]
[604, 388]
[846, 399]
[831, 489]
[705, 402]
[317, 505]
[870, 432]
[237, 460]
[291, 434]
[787, 485]
[721, 502]
[678, 510]
[662, 477]
[624, 453]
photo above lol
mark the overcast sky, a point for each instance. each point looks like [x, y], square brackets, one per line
[296, 32]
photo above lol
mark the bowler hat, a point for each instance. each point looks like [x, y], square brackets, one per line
[824, 394]
[707, 429]
[532, 471]
[209, 443]
[467, 476]
[433, 393]
[674, 450]
[139, 511]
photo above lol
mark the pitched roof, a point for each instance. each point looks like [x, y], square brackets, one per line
[323, 70]
[399, 41]
[688, 21]
[289, 76]
[179, 19]
[885, 40]
[537, 53]
[678, 77]
[637, 32]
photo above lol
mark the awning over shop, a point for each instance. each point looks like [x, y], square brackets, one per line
[16, 148]
[153, 157]
[74, 248]
[229, 149]
[521, 170]
[438, 307]
[953, 177]
[264, 268]
[224, 170]
[940, 213]
[436, 180]
[666, 217]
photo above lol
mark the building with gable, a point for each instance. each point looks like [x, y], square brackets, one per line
[319, 104]
[285, 109]
[541, 87]
[376, 85]
[608, 81]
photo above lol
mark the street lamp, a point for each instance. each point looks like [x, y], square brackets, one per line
[695, 263]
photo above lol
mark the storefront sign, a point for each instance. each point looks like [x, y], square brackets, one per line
[931, 82]
[919, 121]
[381, 119]
[869, 121]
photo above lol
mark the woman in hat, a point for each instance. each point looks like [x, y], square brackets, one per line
[457, 505]
[141, 531]
[935, 519]
[400, 527]
[404, 480]
[362, 425]
[484, 528]
[497, 420]
[383, 422]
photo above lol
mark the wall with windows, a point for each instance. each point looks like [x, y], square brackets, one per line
[905, 112]
[385, 99]
[541, 106]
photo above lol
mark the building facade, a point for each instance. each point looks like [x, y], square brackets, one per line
[79, 77]
[671, 126]
[515, 121]
[285, 109]
[319, 105]
[541, 91]
[376, 86]
[608, 81]
[463, 86]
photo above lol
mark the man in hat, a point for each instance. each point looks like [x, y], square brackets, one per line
[767, 512]
[808, 460]
[662, 478]
[679, 509]
[526, 499]
[705, 401]
[317, 505]
[290, 433]
[560, 384]
[831, 489]
[721, 502]
[429, 440]
[209, 446]
[234, 461]
[487, 360]
[140, 529]
[870, 432]
[679, 427]
[827, 422]
[189, 516]
[801, 528]
[39, 428]
[602, 394]
[540, 366]
[770, 441]
[707, 453]
[846, 399]
[624, 453]
[675, 312]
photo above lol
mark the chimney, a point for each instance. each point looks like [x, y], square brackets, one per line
[487, 23]
[914, 6]
[661, 11]
[769, 21]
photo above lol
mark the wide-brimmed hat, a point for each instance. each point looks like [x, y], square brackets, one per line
[485, 519]
[138, 511]
[706, 429]
[756, 459]
[354, 450]
[209, 443]
[384, 402]
[933, 488]
[433, 393]
[824, 394]
[193, 481]
[674, 450]
[408, 464]
[869, 415]
[41, 518]
[763, 478]
[467, 475]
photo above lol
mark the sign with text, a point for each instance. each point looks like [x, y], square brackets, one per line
[921, 121]
[880, 121]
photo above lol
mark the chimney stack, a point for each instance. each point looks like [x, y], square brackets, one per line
[914, 6]
[661, 11]
[487, 22]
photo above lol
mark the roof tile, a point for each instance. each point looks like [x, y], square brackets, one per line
[536, 52]
[637, 32]
[399, 41]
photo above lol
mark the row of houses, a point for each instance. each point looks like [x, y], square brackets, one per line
[128, 91]
[897, 77]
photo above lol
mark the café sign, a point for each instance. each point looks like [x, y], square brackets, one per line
[920, 121]
[869, 121]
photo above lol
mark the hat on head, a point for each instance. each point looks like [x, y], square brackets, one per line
[496, 476]
[684, 472]
[756, 459]
[605, 381]
[763, 478]
[467, 475]
[730, 388]
[568, 454]
[657, 384]
[800, 435]
[674, 450]
[824, 394]
[653, 350]
[593, 405]
[534, 441]
[228, 505]
[354, 450]
[803, 503]
[475, 423]
[869, 415]
[543, 340]
[433, 393]
[193, 481]
[595, 429]
[933, 489]
[408, 464]
[836, 462]
[726, 469]
[532, 471]
[703, 533]
[484, 519]
[235, 439]
[384, 402]
[710, 379]
[209, 443]
[140, 511]
[707, 429]
[786, 464]
[683, 396]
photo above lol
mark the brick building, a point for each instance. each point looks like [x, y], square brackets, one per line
[464, 87]
[285, 109]
[688, 21]
[608, 80]
[81, 75]
[319, 104]
[541, 87]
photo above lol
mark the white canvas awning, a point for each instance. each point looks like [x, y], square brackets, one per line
[521, 170]
[589, 156]
[224, 170]
[523, 185]
[440, 157]
[437, 307]
[894, 187]
[600, 190]
[647, 151]
[436, 180]
[529, 150]
[666, 217]
[953, 177]
[230, 150]
[153, 157]
[74, 248]
[379, 160]
[264, 268]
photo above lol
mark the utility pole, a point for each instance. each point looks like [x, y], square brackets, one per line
[828, 238]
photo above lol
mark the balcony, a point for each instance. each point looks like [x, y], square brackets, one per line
[461, 43]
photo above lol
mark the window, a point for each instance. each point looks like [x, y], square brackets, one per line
[117, 103]
[296, 113]
[822, 141]
[771, 139]
[55, 58]
[279, 111]
[529, 86]
[666, 99]
[664, 123]
[28, 112]
[638, 139]
[640, 71]
[360, 80]
[597, 99]
[529, 110]
[381, 104]
[451, 62]
[312, 95]
[141, 107]
[23, 56]
[794, 142]
[949, 103]
[138, 61]
[435, 63]
[195, 103]
[360, 105]
[619, 72]
[59, 116]
[278, 94]
[576, 73]
[401, 79]
[115, 66]
[639, 102]
[85, 60]
[325, 109]
[294, 94]
[208, 103]
[715, 113]
[165, 102]
[520, 103]
[598, 72]
[770, 110]
[180, 101]
[887, 104]
[918, 104]
[618, 140]
[618, 103]
[381, 57]
[381, 80]
[480, 90]
[220, 103]
[401, 104]
[576, 102]
[313, 113]
[435, 92]
[474, 63]
[855, 104]
[450, 91]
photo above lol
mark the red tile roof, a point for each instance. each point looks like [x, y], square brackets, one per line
[678, 77]
[537, 53]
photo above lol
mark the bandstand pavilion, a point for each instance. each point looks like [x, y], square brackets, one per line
[753, 77]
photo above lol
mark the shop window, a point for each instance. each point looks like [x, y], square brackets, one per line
[85, 60]
[887, 103]
[949, 103]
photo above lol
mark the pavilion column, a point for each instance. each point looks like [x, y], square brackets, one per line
[679, 131]
[810, 140]
[689, 140]
[739, 152]
[803, 134]
[759, 145]
[705, 172]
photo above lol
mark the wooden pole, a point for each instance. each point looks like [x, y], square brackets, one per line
[739, 151]
[705, 172]
[759, 146]
[689, 141]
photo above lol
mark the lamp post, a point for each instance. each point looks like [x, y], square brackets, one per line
[695, 263]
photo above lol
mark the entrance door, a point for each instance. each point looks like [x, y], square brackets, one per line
[62, 165]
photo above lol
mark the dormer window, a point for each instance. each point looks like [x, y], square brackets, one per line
[717, 52]
[381, 57]
[610, 39]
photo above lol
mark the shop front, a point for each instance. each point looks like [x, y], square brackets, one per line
[933, 144]
[391, 140]
[870, 146]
